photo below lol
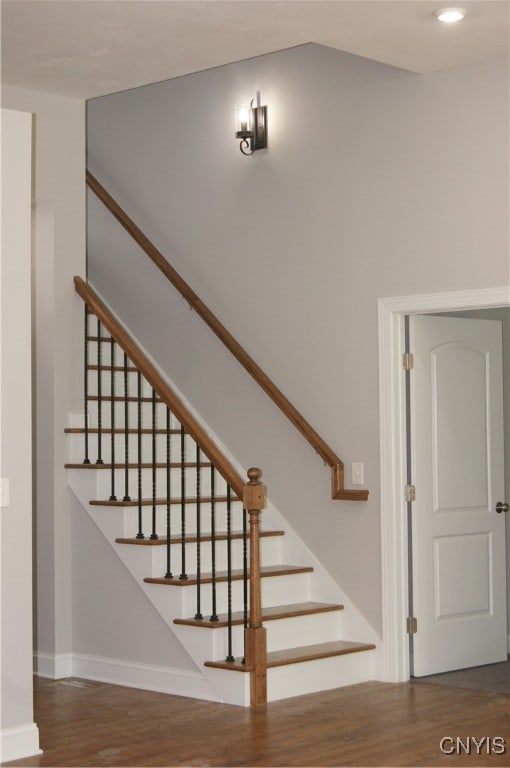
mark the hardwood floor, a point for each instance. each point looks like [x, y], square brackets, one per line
[371, 724]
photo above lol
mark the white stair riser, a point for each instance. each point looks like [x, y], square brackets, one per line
[295, 679]
[276, 590]
[318, 675]
[281, 633]
[118, 381]
[132, 408]
[127, 519]
[104, 482]
[77, 453]
[154, 558]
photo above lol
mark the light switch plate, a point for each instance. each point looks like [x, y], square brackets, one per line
[357, 473]
[5, 496]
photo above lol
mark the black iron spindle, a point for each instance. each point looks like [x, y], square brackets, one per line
[154, 535]
[99, 395]
[168, 574]
[113, 497]
[183, 576]
[127, 497]
[86, 460]
[214, 615]
[230, 656]
[198, 614]
[139, 535]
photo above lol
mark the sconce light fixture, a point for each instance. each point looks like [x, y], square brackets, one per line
[251, 128]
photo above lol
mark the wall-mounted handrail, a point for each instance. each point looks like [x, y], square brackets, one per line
[338, 491]
[160, 386]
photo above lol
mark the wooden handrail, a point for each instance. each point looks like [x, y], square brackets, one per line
[320, 446]
[161, 387]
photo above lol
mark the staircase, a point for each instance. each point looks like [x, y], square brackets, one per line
[186, 526]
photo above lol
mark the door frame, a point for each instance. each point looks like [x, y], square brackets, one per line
[392, 444]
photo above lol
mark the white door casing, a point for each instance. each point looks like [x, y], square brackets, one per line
[457, 449]
[394, 575]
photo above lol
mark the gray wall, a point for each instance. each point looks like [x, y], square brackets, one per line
[376, 182]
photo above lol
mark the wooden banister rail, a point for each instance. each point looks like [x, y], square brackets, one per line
[338, 491]
[161, 387]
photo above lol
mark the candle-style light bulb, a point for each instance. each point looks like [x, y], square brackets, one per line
[243, 116]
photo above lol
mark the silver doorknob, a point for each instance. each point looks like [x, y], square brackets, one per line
[502, 506]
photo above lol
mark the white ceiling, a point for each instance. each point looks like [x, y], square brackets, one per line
[87, 48]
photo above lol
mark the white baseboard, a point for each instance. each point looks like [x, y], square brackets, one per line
[178, 682]
[16, 743]
[54, 666]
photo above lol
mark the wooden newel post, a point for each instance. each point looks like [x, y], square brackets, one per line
[254, 501]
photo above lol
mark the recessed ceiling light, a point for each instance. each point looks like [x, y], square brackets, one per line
[450, 15]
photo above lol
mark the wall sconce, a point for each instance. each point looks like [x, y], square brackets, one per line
[251, 128]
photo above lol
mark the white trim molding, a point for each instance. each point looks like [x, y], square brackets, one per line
[395, 661]
[178, 682]
[19, 742]
[54, 666]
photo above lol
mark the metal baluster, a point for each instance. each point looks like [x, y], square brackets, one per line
[113, 497]
[99, 395]
[139, 535]
[86, 460]
[214, 615]
[127, 497]
[245, 573]
[153, 535]
[183, 576]
[168, 574]
[230, 656]
[198, 614]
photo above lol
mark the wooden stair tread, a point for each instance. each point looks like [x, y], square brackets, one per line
[129, 368]
[238, 574]
[159, 502]
[222, 536]
[145, 465]
[298, 655]
[121, 398]
[318, 651]
[120, 431]
[268, 614]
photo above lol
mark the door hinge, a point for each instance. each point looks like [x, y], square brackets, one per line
[412, 625]
[408, 361]
[410, 493]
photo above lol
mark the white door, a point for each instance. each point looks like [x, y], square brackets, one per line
[458, 538]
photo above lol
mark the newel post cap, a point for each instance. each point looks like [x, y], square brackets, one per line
[254, 492]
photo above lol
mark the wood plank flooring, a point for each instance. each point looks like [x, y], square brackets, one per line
[371, 724]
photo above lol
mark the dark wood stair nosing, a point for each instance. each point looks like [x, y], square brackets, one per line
[272, 613]
[221, 576]
[145, 465]
[192, 539]
[298, 655]
[159, 502]
[121, 431]
[123, 399]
